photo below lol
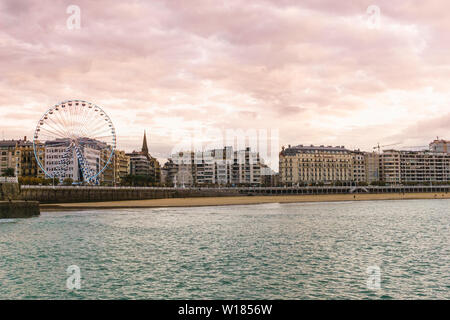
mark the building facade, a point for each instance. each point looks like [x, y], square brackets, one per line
[18, 155]
[8, 156]
[62, 160]
[214, 167]
[318, 164]
[117, 169]
[372, 166]
[26, 163]
[417, 167]
[143, 164]
[359, 166]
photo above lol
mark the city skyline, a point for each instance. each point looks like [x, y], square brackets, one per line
[314, 71]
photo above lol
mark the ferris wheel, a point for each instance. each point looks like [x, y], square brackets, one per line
[74, 139]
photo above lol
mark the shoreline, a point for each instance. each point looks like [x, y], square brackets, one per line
[238, 200]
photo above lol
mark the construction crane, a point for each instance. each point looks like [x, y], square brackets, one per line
[387, 145]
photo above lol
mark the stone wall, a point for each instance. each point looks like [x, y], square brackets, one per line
[18, 209]
[60, 194]
[9, 191]
[89, 194]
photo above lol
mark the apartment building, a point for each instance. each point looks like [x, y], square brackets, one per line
[359, 166]
[216, 167]
[140, 165]
[372, 166]
[319, 164]
[63, 161]
[246, 167]
[26, 163]
[414, 166]
[19, 156]
[118, 168]
[7, 155]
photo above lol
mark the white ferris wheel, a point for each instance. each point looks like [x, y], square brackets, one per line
[79, 140]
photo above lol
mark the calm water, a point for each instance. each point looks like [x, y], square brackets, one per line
[271, 251]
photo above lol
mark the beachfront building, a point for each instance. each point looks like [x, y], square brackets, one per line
[246, 168]
[301, 165]
[215, 167]
[417, 167]
[7, 156]
[372, 167]
[317, 164]
[26, 164]
[18, 155]
[66, 165]
[118, 168]
[359, 166]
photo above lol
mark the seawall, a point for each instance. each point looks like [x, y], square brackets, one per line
[96, 194]
[61, 194]
[9, 190]
[10, 204]
[18, 209]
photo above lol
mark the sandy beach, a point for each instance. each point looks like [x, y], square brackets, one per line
[244, 200]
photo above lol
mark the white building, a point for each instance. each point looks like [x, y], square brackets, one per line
[61, 164]
[220, 166]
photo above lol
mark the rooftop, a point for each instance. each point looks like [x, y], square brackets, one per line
[8, 143]
[302, 148]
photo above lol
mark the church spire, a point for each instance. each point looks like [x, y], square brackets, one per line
[144, 145]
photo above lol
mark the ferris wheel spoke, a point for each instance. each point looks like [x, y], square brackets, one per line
[51, 134]
[100, 132]
[71, 116]
[89, 131]
[101, 123]
[75, 114]
[98, 119]
[110, 139]
[61, 119]
[95, 123]
[83, 129]
[58, 126]
[84, 119]
[65, 119]
[79, 120]
[50, 123]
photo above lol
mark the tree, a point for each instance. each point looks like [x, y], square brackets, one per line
[67, 181]
[138, 181]
[9, 172]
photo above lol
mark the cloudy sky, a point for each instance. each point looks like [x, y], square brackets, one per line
[318, 71]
